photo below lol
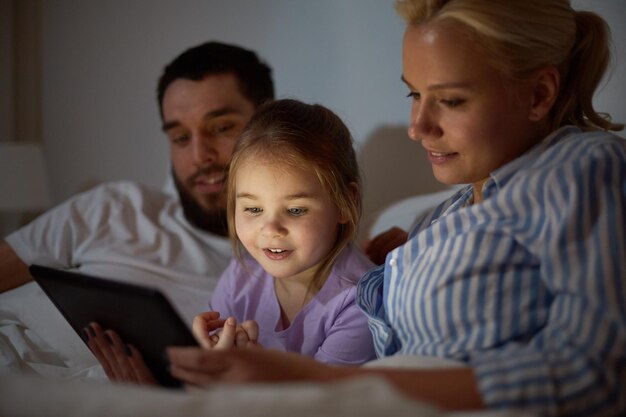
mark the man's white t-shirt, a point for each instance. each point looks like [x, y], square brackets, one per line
[121, 230]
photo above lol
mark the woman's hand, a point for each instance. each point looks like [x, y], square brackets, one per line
[201, 367]
[452, 388]
[121, 362]
[211, 332]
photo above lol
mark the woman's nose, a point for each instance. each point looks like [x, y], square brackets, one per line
[423, 123]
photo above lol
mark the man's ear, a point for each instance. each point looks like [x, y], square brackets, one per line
[545, 90]
[353, 194]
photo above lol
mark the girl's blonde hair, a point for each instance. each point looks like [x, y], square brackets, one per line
[521, 36]
[292, 133]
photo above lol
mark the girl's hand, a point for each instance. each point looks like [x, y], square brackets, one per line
[121, 362]
[204, 325]
[215, 333]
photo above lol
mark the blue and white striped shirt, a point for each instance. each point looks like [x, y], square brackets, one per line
[527, 287]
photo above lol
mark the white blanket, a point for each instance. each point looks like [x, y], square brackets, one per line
[46, 370]
[22, 396]
[35, 338]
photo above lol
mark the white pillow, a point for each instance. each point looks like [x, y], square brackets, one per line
[404, 212]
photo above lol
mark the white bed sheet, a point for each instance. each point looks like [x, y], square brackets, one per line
[25, 396]
[46, 370]
[35, 338]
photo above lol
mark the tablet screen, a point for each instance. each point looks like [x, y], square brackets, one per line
[141, 315]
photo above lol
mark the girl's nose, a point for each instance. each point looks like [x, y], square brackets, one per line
[273, 228]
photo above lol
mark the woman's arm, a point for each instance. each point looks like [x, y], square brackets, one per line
[453, 389]
[379, 246]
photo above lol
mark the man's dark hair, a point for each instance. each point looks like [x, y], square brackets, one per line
[254, 76]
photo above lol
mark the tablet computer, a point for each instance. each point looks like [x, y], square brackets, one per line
[141, 315]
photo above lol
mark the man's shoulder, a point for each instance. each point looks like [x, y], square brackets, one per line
[121, 192]
[122, 188]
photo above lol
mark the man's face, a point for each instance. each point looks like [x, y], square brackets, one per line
[202, 120]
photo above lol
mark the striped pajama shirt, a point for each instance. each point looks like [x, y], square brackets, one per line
[528, 287]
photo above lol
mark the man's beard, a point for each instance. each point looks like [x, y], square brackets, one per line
[211, 219]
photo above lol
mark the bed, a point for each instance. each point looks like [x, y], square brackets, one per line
[45, 369]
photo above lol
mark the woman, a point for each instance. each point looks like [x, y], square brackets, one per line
[520, 275]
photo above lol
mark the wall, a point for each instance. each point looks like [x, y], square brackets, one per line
[6, 70]
[101, 60]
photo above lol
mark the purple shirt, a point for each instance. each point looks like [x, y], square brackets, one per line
[331, 327]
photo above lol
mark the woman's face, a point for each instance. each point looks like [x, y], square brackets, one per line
[468, 117]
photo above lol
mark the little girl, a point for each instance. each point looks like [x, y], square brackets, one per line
[294, 205]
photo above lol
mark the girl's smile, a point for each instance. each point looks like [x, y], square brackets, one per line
[277, 254]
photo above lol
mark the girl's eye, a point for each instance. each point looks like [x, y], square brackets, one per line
[297, 211]
[413, 95]
[252, 210]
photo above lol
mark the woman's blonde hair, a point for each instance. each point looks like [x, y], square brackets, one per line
[291, 133]
[521, 36]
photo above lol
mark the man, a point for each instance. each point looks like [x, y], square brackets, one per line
[125, 231]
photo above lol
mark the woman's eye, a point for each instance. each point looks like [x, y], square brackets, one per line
[297, 211]
[452, 103]
[413, 95]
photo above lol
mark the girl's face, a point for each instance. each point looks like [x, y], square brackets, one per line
[284, 218]
[468, 117]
